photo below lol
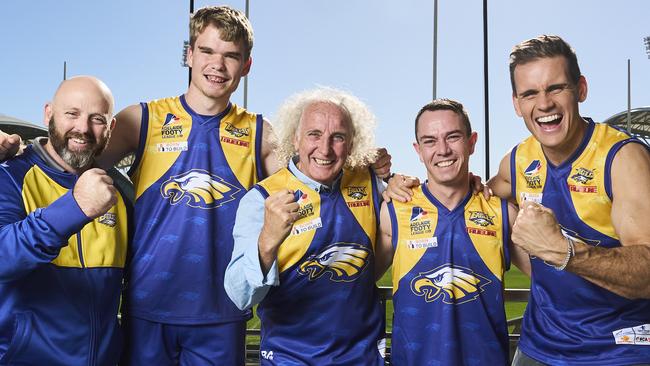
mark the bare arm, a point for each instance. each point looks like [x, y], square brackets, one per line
[384, 246]
[623, 270]
[500, 183]
[518, 256]
[125, 137]
[270, 162]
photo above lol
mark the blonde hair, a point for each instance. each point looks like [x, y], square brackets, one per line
[362, 120]
[232, 24]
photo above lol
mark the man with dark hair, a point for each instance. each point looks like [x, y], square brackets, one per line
[449, 248]
[582, 218]
[63, 238]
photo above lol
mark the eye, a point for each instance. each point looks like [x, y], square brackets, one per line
[454, 137]
[338, 138]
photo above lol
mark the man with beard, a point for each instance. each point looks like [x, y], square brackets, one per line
[63, 238]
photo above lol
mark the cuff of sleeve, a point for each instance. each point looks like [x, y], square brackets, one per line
[273, 277]
[64, 215]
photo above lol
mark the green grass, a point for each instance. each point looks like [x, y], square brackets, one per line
[514, 279]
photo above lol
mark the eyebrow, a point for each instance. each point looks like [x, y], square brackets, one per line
[448, 133]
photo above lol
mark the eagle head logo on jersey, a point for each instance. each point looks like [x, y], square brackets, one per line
[344, 262]
[198, 189]
[452, 284]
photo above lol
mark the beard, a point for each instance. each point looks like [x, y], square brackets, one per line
[76, 159]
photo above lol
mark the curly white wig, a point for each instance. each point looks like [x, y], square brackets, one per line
[287, 121]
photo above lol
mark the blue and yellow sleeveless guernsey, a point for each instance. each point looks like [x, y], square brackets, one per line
[448, 281]
[326, 310]
[189, 176]
[569, 319]
[60, 272]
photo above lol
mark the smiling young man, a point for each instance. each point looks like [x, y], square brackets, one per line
[63, 238]
[449, 248]
[196, 156]
[582, 189]
[304, 238]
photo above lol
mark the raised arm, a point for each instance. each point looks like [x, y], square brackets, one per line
[270, 163]
[500, 183]
[518, 256]
[125, 137]
[624, 270]
[384, 246]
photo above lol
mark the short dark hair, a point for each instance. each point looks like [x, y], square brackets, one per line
[542, 47]
[445, 104]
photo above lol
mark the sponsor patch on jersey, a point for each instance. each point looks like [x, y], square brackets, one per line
[478, 231]
[450, 284]
[532, 197]
[198, 188]
[639, 335]
[307, 226]
[531, 175]
[237, 132]
[234, 141]
[108, 219]
[481, 218]
[424, 243]
[533, 169]
[419, 222]
[340, 262]
[306, 206]
[170, 128]
[171, 146]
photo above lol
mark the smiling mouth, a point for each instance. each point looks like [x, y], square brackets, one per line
[550, 121]
[323, 162]
[215, 79]
[444, 163]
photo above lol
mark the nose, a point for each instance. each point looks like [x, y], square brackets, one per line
[545, 101]
[443, 148]
[325, 146]
[218, 62]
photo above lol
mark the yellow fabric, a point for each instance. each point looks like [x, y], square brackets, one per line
[103, 240]
[296, 245]
[586, 182]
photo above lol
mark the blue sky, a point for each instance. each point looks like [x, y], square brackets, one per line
[379, 50]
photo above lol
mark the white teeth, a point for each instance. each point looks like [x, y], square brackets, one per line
[323, 162]
[77, 141]
[551, 118]
[215, 79]
[445, 163]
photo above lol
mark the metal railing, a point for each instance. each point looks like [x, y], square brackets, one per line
[386, 294]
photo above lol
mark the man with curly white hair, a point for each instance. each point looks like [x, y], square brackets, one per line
[305, 237]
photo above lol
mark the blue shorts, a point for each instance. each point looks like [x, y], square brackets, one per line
[151, 343]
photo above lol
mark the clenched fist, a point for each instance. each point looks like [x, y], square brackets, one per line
[94, 192]
[9, 145]
[537, 231]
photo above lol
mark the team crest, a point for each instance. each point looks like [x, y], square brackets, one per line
[306, 207]
[109, 219]
[237, 132]
[583, 176]
[198, 189]
[357, 193]
[481, 218]
[170, 128]
[450, 284]
[343, 262]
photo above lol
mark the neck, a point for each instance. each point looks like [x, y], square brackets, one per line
[49, 149]
[558, 155]
[202, 104]
[449, 195]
